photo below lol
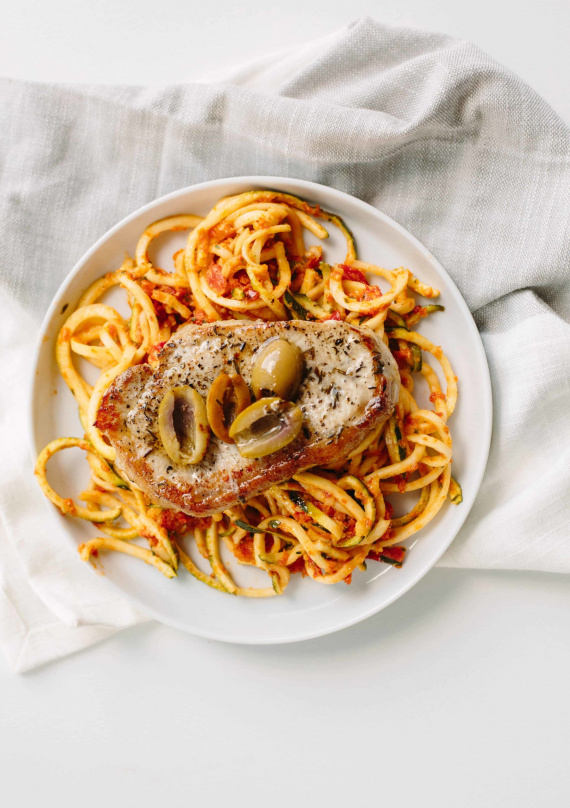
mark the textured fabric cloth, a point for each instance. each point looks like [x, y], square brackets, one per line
[422, 126]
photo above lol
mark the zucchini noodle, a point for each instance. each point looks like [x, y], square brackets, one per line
[247, 259]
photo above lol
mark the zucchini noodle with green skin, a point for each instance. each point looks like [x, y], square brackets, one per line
[247, 259]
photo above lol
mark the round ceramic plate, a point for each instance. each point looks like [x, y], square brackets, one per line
[307, 609]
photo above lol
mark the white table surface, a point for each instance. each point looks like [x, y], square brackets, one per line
[457, 695]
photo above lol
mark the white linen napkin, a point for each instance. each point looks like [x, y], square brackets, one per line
[426, 128]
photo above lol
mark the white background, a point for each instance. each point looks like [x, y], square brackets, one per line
[457, 695]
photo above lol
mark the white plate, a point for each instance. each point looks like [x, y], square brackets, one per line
[307, 609]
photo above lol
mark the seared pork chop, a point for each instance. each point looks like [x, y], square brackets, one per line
[350, 387]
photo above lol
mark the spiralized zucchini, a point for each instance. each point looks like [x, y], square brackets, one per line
[247, 259]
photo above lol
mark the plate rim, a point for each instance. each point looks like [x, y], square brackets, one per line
[304, 186]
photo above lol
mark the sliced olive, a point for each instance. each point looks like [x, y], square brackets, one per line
[227, 397]
[266, 426]
[183, 425]
[278, 369]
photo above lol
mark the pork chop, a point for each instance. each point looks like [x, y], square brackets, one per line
[351, 386]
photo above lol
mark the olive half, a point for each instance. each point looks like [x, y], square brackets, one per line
[277, 370]
[227, 397]
[183, 425]
[266, 426]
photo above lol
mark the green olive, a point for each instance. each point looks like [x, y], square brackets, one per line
[266, 426]
[183, 425]
[277, 370]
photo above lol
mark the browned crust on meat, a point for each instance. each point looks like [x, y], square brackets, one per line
[219, 491]
[108, 418]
